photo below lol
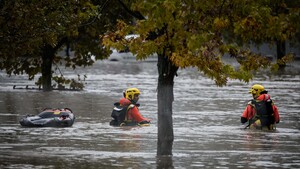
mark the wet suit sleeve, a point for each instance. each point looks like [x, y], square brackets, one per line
[246, 114]
[276, 114]
[137, 116]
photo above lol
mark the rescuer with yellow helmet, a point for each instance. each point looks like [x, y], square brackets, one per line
[132, 94]
[256, 90]
[129, 105]
[261, 111]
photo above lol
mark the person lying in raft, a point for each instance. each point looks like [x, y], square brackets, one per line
[261, 111]
[126, 112]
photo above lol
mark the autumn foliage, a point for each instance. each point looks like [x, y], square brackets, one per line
[197, 34]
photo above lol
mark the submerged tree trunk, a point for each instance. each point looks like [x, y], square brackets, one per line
[47, 59]
[281, 51]
[164, 162]
[165, 98]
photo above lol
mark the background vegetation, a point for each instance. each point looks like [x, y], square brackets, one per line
[182, 32]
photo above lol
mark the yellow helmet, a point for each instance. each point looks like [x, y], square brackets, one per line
[129, 93]
[257, 90]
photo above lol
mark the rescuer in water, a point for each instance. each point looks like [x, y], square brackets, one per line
[261, 111]
[126, 112]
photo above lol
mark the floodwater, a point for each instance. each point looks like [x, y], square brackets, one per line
[206, 118]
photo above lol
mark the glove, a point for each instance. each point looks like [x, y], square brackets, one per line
[243, 120]
[144, 122]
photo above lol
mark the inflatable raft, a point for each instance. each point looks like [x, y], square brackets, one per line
[49, 118]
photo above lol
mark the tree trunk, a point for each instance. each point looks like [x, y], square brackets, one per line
[164, 162]
[281, 51]
[165, 98]
[47, 59]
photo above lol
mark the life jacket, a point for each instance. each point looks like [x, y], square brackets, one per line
[264, 113]
[120, 115]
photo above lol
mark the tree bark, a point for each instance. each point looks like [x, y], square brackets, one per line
[165, 98]
[47, 59]
[281, 51]
[165, 162]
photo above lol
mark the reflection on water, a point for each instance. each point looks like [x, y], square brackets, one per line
[206, 123]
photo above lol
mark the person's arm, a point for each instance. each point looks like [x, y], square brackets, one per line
[137, 115]
[246, 114]
[276, 114]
